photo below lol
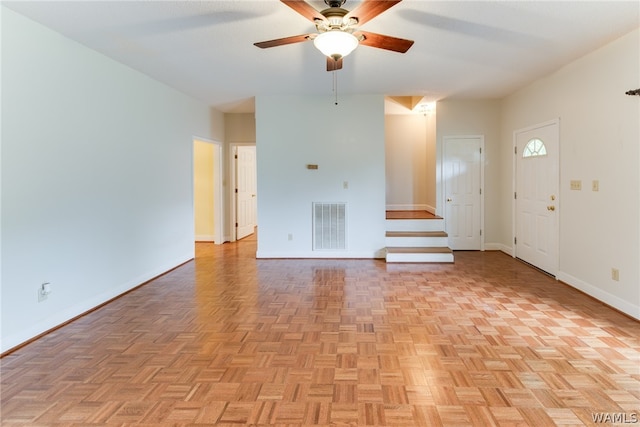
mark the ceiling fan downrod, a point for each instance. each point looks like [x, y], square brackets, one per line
[334, 3]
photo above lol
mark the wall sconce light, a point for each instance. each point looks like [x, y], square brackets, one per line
[426, 108]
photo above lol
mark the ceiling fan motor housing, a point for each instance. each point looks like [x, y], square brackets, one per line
[335, 20]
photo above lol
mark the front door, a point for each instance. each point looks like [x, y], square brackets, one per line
[536, 196]
[246, 191]
[462, 191]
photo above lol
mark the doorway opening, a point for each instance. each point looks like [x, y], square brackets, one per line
[410, 157]
[208, 205]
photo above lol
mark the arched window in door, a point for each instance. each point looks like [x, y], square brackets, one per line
[535, 147]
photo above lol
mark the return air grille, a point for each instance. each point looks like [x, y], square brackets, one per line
[329, 226]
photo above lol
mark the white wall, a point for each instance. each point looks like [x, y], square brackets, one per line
[476, 117]
[96, 177]
[410, 163]
[217, 125]
[347, 143]
[240, 127]
[599, 140]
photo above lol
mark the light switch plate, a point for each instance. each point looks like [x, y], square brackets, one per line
[615, 274]
[576, 184]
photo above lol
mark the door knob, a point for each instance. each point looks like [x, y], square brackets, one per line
[449, 199]
[551, 208]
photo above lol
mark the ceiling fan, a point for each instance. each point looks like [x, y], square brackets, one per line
[338, 29]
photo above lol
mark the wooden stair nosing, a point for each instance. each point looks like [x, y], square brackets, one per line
[410, 214]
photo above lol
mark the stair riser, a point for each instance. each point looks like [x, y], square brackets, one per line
[415, 225]
[408, 242]
[420, 257]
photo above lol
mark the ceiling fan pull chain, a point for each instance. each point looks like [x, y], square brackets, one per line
[335, 86]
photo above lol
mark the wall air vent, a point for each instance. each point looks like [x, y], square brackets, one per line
[329, 226]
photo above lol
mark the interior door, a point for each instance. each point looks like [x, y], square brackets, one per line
[246, 191]
[462, 191]
[536, 196]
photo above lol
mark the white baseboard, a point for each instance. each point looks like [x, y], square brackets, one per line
[58, 319]
[498, 247]
[322, 254]
[618, 303]
[205, 238]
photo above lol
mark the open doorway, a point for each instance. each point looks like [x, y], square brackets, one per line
[410, 155]
[208, 205]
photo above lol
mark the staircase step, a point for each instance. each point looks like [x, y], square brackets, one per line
[416, 238]
[425, 250]
[416, 234]
[419, 254]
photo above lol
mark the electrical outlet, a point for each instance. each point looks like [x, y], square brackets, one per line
[41, 296]
[595, 185]
[576, 184]
[290, 236]
[615, 274]
[43, 291]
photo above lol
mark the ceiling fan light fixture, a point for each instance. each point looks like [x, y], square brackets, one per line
[336, 44]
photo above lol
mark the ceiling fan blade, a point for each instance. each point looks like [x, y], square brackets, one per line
[333, 65]
[385, 42]
[282, 41]
[304, 9]
[369, 9]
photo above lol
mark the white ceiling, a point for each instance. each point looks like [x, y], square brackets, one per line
[463, 49]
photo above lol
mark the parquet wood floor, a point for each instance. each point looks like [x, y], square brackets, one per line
[229, 340]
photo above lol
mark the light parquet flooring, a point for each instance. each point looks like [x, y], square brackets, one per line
[229, 340]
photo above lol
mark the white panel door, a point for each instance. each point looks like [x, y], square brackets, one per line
[536, 196]
[462, 191]
[246, 191]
